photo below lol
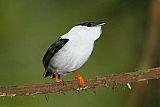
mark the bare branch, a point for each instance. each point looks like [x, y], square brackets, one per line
[126, 78]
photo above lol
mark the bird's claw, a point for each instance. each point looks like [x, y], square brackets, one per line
[58, 81]
[80, 78]
[81, 81]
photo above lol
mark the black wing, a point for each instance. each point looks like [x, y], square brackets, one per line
[54, 48]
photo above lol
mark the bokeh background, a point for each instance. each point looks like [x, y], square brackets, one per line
[130, 41]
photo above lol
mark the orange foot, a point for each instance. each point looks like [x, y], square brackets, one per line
[58, 80]
[80, 78]
[57, 77]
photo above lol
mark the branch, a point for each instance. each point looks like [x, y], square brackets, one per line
[105, 81]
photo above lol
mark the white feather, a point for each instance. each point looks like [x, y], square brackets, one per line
[77, 50]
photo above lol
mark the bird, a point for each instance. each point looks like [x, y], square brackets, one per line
[71, 51]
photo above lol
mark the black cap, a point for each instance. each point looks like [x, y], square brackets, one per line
[90, 24]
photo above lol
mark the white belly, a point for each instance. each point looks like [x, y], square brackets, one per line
[72, 56]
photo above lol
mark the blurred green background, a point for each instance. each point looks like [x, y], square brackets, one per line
[129, 42]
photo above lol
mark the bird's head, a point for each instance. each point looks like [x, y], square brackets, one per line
[91, 30]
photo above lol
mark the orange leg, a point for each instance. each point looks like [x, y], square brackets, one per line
[56, 76]
[80, 78]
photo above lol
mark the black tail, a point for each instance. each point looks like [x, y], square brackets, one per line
[50, 74]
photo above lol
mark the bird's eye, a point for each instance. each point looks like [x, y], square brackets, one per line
[89, 25]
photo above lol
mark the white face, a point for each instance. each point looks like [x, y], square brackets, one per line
[85, 32]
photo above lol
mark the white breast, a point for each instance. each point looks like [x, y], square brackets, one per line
[72, 56]
[77, 50]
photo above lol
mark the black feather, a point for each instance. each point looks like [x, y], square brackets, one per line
[50, 74]
[89, 24]
[52, 50]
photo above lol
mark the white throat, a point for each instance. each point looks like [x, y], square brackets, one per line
[84, 33]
